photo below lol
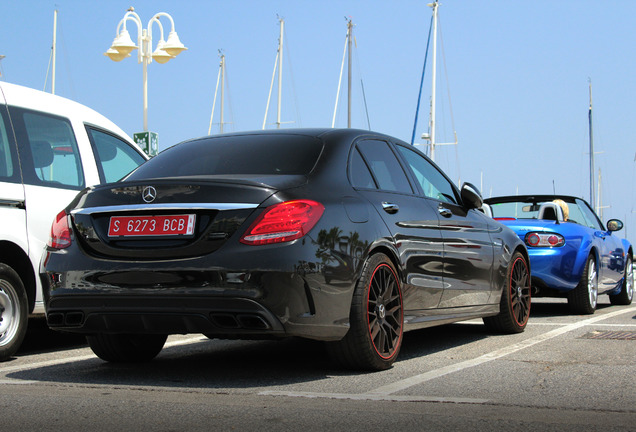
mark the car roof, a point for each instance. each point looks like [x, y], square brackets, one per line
[25, 97]
[323, 132]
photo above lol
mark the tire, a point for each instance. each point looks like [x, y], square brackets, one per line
[14, 312]
[584, 297]
[626, 295]
[514, 307]
[123, 348]
[374, 338]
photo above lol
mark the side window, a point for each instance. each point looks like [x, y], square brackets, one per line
[384, 165]
[360, 175]
[433, 183]
[7, 152]
[54, 152]
[115, 158]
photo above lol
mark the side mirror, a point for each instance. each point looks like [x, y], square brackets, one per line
[471, 197]
[614, 225]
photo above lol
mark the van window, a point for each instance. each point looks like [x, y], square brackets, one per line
[115, 158]
[6, 155]
[54, 152]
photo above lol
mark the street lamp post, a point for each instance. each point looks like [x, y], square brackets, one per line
[165, 50]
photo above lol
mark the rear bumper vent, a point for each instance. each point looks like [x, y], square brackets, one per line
[65, 319]
[239, 321]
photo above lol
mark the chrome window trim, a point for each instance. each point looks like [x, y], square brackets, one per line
[167, 206]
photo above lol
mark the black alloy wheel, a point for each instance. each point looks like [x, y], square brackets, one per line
[514, 308]
[377, 321]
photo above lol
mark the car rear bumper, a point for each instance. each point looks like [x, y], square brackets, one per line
[198, 296]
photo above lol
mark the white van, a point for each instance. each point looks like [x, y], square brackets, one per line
[50, 148]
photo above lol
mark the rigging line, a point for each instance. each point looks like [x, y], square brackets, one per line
[48, 69]
[419, 97]
[291, 77]
[344, 55]
[271, 86]
[216, 91]
[366, 109]
[450, 102]
[359, 68]
[229, 98]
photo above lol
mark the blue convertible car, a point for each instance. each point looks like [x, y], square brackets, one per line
[571, 253]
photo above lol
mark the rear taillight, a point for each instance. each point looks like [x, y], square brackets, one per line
[283, 222]
[60, 232]
[536, 239]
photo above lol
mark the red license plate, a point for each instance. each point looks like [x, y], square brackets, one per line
[128, 226]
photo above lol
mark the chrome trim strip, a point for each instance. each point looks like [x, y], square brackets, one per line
[170, 206]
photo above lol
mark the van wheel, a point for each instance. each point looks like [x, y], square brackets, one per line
[125, 348]
[376, 319]
[13, 312]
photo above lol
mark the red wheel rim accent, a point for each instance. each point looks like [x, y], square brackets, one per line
[384, 311]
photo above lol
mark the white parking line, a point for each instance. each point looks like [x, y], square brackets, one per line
[377, 397]
[56, 362]
[493, 355]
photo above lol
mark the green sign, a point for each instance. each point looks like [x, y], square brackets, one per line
[148, 141]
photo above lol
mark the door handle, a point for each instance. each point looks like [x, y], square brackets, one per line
[444, 211]
[390, 208]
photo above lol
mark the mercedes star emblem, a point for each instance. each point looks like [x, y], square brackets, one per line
[149, 194]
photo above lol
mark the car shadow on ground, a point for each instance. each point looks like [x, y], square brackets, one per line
[556, 307]
[40, 339]
[236, 364]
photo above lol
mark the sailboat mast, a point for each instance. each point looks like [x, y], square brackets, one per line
[349, 39]
[434, 5]
[222, 89]
[53, 48]
[591, 148]
[280, 71]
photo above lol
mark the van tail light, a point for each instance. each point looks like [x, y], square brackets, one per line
[60, 232]
[537, 239]
[283, 222]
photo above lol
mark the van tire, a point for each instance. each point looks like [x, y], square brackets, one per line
[13, 312]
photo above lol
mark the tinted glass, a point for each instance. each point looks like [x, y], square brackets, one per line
[54, 152]
[386, 169]
[360, 175]
[6, 155]
[240, 155]
[115, 157]
[433, 183]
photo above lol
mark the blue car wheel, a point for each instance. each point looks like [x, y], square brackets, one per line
[626, 295]
[584, 297]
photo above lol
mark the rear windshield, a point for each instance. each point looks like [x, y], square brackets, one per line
[235, 155]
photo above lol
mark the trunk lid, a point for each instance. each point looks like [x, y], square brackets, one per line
[169, 218]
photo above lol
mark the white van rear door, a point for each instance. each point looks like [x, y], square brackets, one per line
[12, 202]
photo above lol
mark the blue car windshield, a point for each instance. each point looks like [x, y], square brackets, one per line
[579, 212]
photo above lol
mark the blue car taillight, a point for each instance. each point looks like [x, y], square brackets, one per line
[540, 239]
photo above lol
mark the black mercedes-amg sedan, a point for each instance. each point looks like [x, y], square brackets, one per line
[345, 236]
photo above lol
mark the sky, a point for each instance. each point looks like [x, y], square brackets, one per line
[513, 78]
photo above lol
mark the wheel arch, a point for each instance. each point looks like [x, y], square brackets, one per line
[392, 255]
[15, 257]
